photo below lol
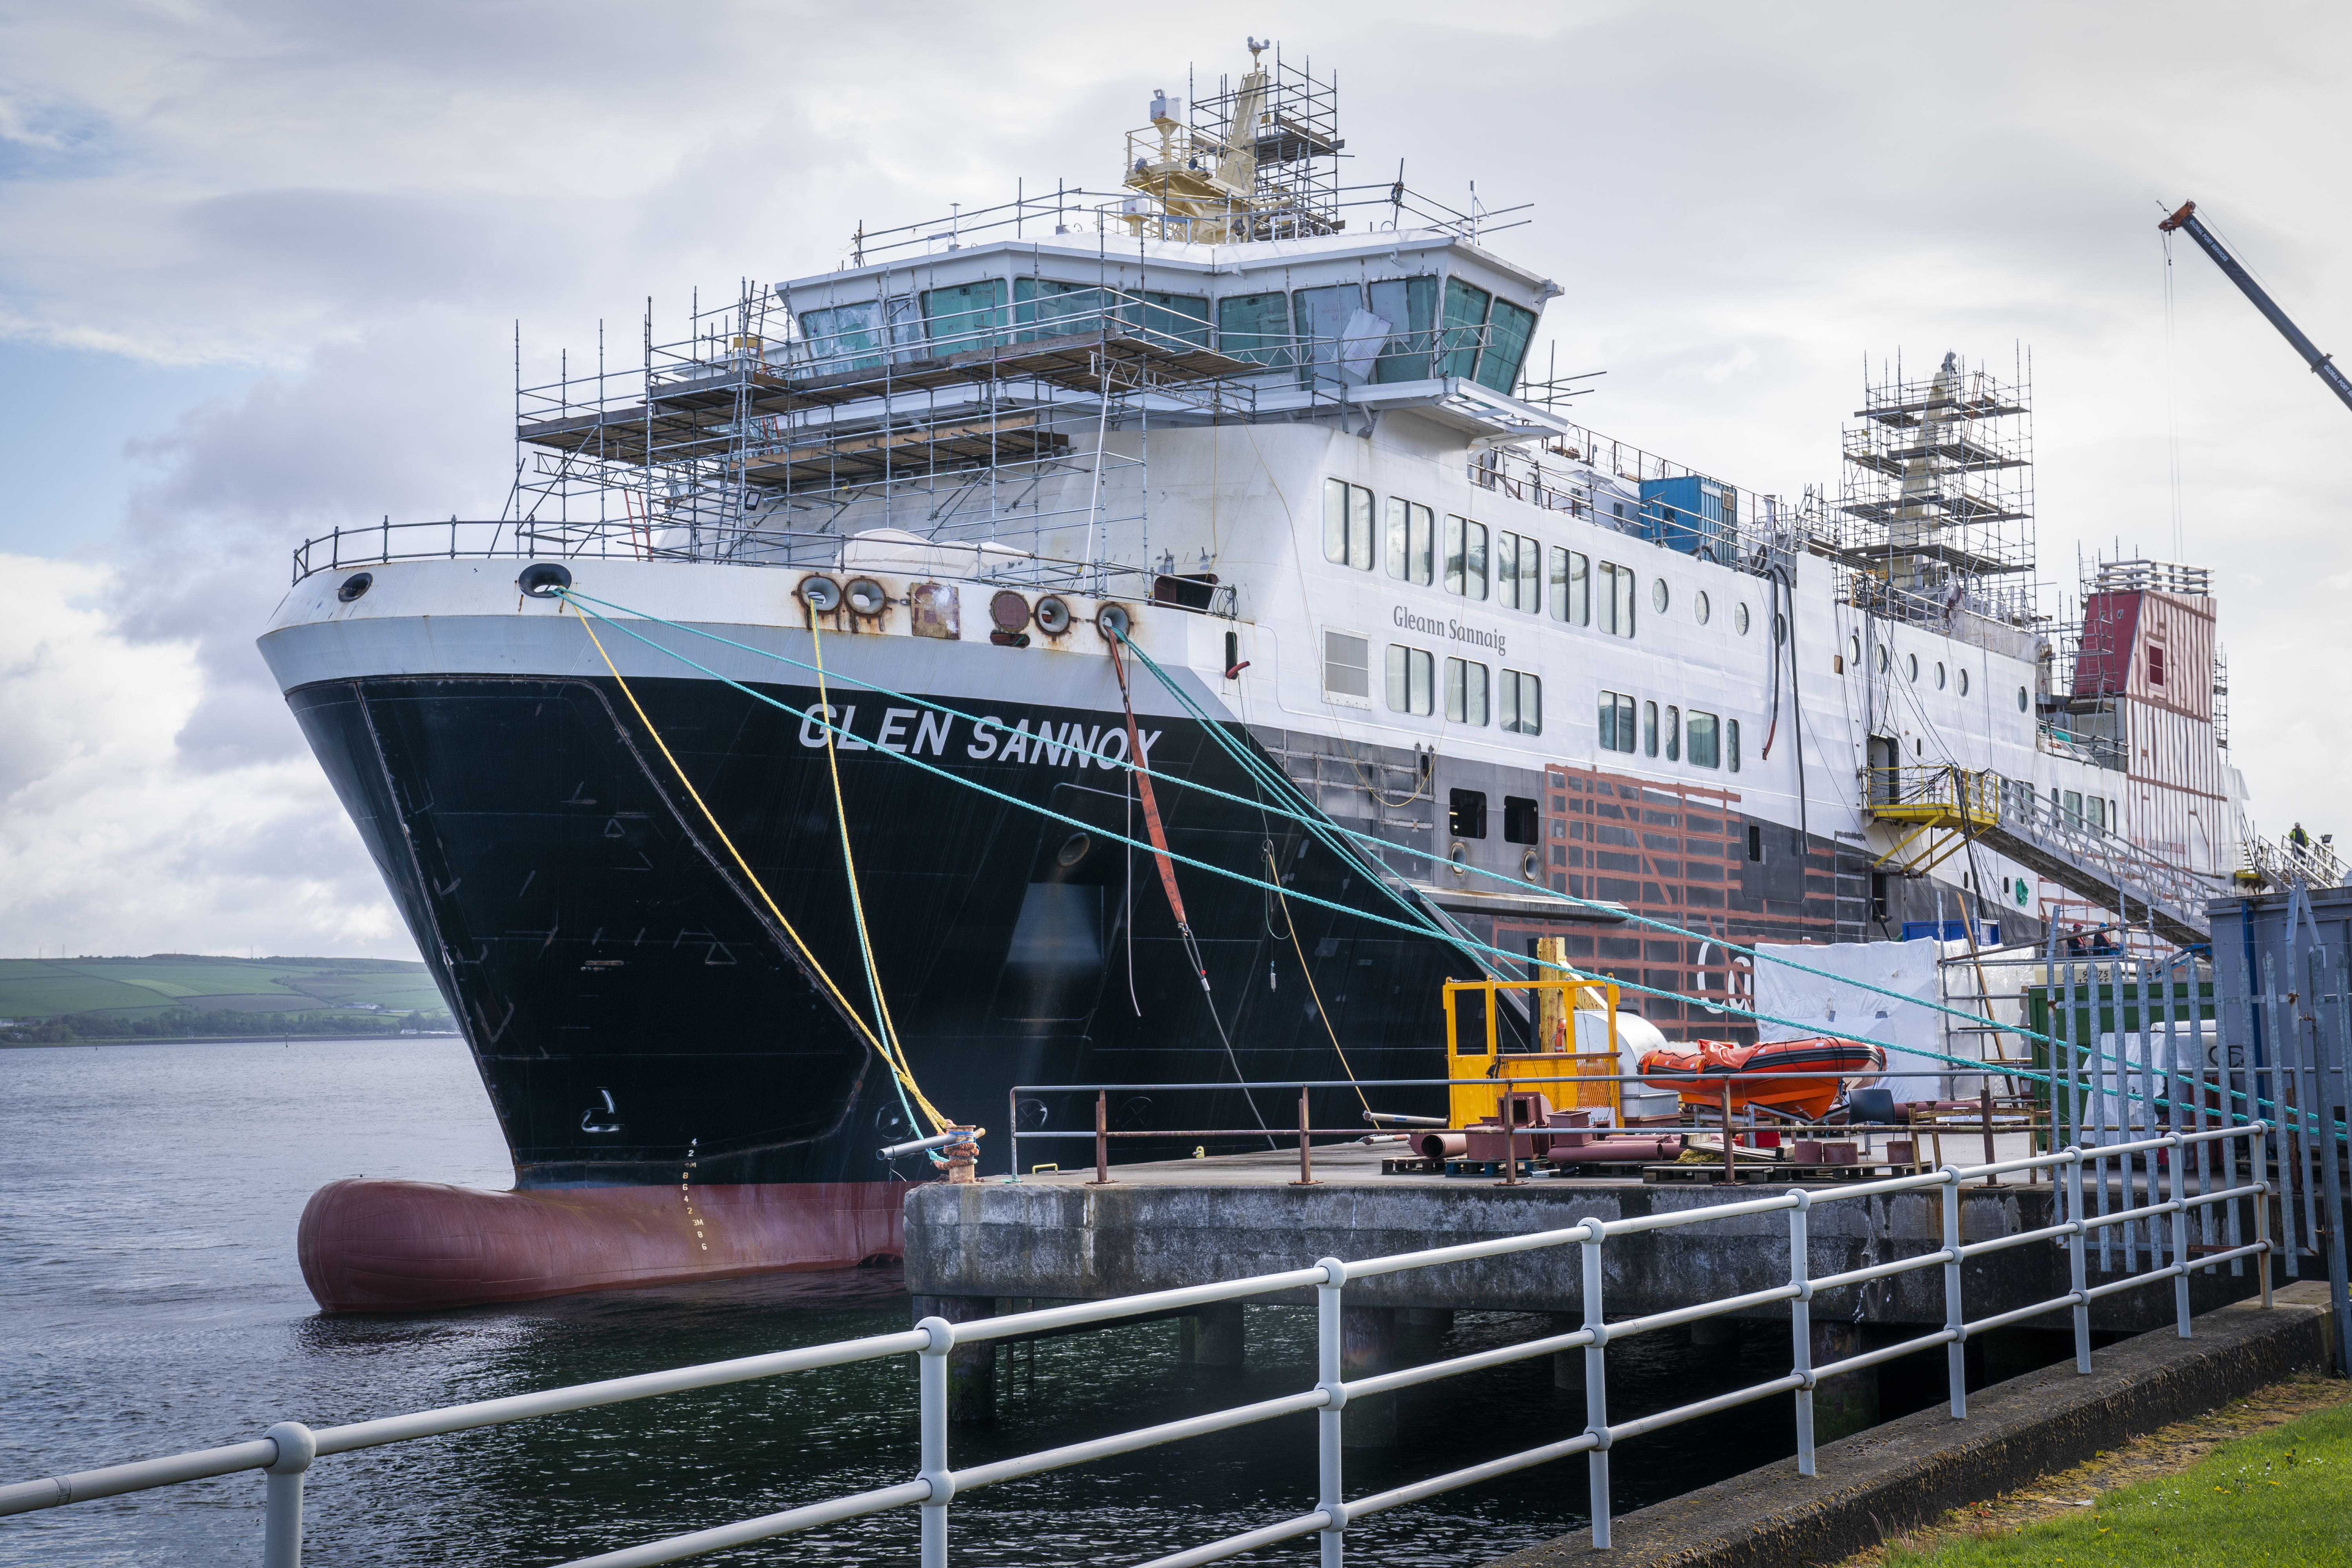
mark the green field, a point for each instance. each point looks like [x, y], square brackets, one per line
[148, 988]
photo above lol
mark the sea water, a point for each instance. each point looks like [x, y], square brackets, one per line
[150, 1303]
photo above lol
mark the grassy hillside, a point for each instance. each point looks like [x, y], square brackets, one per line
[187, 993]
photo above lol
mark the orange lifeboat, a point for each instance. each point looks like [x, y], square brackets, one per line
[1814, 1066]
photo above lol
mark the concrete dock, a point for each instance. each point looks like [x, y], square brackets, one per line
[1185, 1222]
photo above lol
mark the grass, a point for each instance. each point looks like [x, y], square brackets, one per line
[135, 987]
[2280, 1499]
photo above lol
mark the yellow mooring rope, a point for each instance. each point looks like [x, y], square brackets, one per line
[894, 1061]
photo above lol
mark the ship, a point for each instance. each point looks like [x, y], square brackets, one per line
[757, 787]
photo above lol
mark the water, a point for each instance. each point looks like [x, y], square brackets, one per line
[153, 1303]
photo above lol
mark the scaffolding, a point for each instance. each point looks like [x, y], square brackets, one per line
[1935, 521]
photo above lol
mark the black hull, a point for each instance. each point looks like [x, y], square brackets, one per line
[595, 940]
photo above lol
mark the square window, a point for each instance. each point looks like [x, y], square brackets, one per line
[1465, 814]
[1522, 703]
[1703, 731]
[1465, 691]
[1519, 820]
[1347, 667]
[1410, 679]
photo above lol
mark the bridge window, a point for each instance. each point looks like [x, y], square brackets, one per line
[968, 316]
[1256, 328]
[1465, 314]
[1322, 315]
[1522, 706]
[1412, 550]
[1509, 327]
[1465, 691]
[1411, 679]
[1409, 305]
[1703, 733]
[1348, 525]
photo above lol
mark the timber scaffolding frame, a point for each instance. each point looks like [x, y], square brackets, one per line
[1935, 520]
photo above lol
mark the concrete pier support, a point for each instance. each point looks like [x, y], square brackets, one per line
[1212, 1335]
[1847, 1403]
[1368, 1347]
[972, 1369]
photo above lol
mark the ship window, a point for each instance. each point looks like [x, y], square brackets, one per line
[2021, 700]
[1045, 308]
[1571, 587]
[1658, 595]
[1348, 525]
[1411, 678]
[1521, 816]
[968, 316]
[1507, 331]
[1256, 328]
[1616, 595]
[1963, 673]
[1673, 728]
[1756, 842]
[1616, 721]
[2155, 666]
[1183, 316]
[1702, 732]
[1346, 668]
[1522, 706]
[1731, 743]
[1409, 305]
[1465, 314]
[1412, 549]
[847, 337]
[1466, 813]
[1518, 573]
[1649, 729]
[2071, 802]
[1465, 691]
[1466, 558]
[1322, 316]
[1700, 608]
[1911, 666]
[2095, 811]
[1939, 674]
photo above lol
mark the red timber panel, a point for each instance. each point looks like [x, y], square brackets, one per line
[2110, 624]
[1673, 852]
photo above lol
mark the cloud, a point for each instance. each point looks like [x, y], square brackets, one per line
[111, 843]
[354, 207]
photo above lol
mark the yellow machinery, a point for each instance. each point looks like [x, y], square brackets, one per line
[1944, 805]
[1557, 1003]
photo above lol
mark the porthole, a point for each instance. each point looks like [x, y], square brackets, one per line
[2021, 700]
[865, 596]
[356, 584]
[1853, 651]
[1658, 595]
[1739, 620]
[1460, 857]
[1939, 674]
[1053, 615]
[1531, 867]
[1911, 667]
[1964, 681]
[1009, 611]
[1701, 609]
[1780, 628]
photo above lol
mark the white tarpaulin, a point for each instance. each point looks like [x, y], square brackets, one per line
[1831, 1003]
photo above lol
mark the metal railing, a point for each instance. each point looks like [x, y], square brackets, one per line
[287, 1450]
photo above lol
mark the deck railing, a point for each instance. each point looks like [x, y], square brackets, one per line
[287, 1450]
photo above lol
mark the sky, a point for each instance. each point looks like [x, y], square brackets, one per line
[263, 269]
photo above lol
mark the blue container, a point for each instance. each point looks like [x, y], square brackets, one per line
[1988, 935]
[1694, 514]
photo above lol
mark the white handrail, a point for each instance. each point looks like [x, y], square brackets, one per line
[287, 1450]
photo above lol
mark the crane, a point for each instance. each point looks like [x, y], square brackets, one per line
[2321, 365]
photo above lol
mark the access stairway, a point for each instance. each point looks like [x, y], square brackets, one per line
[1945, 808]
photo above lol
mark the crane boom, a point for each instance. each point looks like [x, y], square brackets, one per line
[2321, 365]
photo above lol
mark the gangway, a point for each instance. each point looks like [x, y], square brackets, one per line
[1945, 808]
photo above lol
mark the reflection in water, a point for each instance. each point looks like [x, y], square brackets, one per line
[148, 1196]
